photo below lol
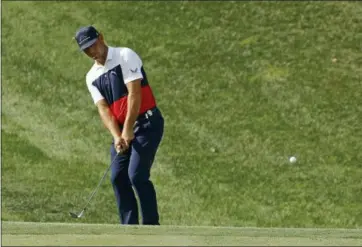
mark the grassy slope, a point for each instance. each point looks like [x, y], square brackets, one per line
[252, 80]
[17, 233]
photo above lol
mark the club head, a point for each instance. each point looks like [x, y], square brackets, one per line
[73, 215]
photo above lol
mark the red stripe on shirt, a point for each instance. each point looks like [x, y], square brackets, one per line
[119, 107]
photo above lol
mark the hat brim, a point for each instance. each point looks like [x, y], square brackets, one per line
[88, 44]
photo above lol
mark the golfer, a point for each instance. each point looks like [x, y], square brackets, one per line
[118, 85]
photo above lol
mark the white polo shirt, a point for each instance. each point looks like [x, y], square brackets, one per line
[108, 82]
[129, 62]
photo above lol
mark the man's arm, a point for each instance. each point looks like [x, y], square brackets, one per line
[132, 77]
[133, 104]
[106, 115]
[108, 119]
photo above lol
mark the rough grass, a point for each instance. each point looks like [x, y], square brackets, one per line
[242, 85]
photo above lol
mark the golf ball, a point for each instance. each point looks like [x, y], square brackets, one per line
[292, 159]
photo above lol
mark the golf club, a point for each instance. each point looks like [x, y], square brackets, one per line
[74, 215]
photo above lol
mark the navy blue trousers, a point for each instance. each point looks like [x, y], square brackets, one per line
[132, 170]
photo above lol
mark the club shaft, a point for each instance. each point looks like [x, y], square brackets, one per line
[99, 184]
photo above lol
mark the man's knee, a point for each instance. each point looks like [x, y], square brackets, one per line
[114, 179]
[139, 178]
[119, 178]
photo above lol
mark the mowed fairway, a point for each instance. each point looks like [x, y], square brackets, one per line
[242, 86]
[17, 233]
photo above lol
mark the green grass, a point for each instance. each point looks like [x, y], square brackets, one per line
[47, 234]
[253, 80]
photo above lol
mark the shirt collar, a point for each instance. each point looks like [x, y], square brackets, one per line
[110, 52]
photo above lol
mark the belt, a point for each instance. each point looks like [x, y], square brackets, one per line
[143, 116]
[146, 115]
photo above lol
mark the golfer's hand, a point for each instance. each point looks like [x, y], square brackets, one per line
[119, 144]
[126, 137]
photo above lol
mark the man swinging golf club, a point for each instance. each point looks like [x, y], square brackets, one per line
[118, 85]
